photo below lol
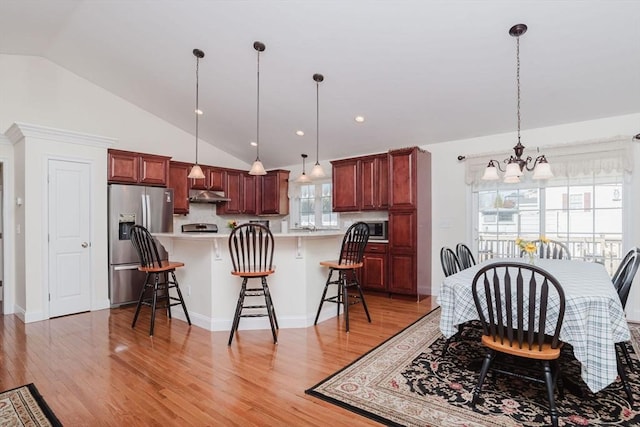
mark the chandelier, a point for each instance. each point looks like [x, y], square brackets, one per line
[516, 164]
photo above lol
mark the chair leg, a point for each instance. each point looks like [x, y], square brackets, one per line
[627, 358]
[345, 298]
[624, 379]
[142, 292]
[240, 303]
[165, 277]
[267, 300]
[153, 304]
[270, 307]
[548, 379]
[483, 373]
[184, 307]
[324, 294]
[364, 303]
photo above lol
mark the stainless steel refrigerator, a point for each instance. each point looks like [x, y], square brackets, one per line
[129, 205]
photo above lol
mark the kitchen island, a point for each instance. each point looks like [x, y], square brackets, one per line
[210, 291]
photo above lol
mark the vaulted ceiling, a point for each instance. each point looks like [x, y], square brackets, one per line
[419, 71]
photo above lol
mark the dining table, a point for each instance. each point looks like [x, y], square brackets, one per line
[594, 318]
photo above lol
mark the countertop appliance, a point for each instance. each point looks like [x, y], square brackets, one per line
[199, 228]
[378, 230]
[129, 205]
[264, 222]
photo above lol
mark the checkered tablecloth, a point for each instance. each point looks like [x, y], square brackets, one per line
[594, 319]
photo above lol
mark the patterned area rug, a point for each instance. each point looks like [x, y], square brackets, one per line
[23, 406]
[406, 381]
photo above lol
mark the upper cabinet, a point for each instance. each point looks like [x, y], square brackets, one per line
[273, 193]
[128, 167]
[361, 183]
[213, 179]
[240, 187]
[345, 177]
[179, 181]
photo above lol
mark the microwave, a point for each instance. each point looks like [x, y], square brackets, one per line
[378, 230]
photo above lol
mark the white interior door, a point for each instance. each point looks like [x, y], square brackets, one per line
[69, 237]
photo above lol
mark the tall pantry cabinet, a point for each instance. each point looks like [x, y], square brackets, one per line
[410, 221]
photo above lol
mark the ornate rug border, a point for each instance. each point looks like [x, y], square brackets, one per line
[42, 404]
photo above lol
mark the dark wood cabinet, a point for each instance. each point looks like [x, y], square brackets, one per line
[178, 180]
[213, 179]
[374, 269]
[273, 193]
[240, 187]
[374, 181]
[127, 167]
[346, 181]
[410, 222]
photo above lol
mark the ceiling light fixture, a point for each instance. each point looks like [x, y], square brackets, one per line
[300, 133]
[317, 171]
[257, 168]
[516, 165]
[196, 170]
[359, 119]
[303, 178]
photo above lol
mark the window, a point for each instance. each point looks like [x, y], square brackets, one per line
[586, 213]
[312, 206]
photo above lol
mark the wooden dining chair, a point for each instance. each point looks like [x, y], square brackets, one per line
[511, 321]
[551, 249]
[622, 280]
[465, 257]
[449, 261]
[251, 247]
[350, 260]
[160, 277]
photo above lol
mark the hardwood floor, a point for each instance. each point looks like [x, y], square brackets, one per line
[94, 369]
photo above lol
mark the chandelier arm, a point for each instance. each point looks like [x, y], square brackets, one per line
[496, 164]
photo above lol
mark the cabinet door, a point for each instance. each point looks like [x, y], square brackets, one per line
[402, 178]
[215, 178]
[402, 273]
[402, 231]
[178, 180]
[233, 190]
[383, 181]
[273, 196]
[200, 183]
[249, 203]
[345, 180]
[154, 170]
[124, 167]
[374, 270]
[374, 176]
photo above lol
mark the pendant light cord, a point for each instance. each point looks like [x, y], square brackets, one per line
[317, 123]
[197, 103]
[258, 110]
[518, 81]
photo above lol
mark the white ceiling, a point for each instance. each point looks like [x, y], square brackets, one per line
[421, 72]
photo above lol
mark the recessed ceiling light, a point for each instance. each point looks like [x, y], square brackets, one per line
[359, 119]
[299, 133]
[199, 112]
[254, 144]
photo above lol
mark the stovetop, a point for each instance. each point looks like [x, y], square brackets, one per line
[200, 228]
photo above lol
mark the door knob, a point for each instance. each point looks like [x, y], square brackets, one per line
[85, 244]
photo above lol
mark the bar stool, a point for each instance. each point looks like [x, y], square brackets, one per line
[251, 249]
[159, 271]
[350, 260]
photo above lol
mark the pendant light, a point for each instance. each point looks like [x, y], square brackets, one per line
[196, 170]
[257, 168]
[516, 165]
[303, 178]
[317, 171]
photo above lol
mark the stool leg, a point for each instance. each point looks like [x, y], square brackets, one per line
[270, 307]
[144, 289]
[167, 284]
[236, 317]
[364, 303]
[153, 304]
[184, 307]
[324, 294]
[267, 300]
[345, 298]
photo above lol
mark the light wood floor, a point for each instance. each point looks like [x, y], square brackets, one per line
[93, 369]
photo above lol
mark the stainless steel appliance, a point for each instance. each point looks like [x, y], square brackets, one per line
[200, 228]
[129, 205]
[378, 230]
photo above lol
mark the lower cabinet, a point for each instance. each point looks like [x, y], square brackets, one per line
[374, 269]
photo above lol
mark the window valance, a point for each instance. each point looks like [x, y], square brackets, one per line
[567, 160]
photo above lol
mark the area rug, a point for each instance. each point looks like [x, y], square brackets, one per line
[24, 406]
[406, 381]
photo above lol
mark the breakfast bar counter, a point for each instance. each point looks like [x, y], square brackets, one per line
[211, 292]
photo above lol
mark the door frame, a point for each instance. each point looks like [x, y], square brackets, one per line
[46, 312]
[8, 241]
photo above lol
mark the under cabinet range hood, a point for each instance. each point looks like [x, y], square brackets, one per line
[207, 196]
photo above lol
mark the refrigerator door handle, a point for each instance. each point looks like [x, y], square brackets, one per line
[144, 210]
[126, 267]
[148, 201]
